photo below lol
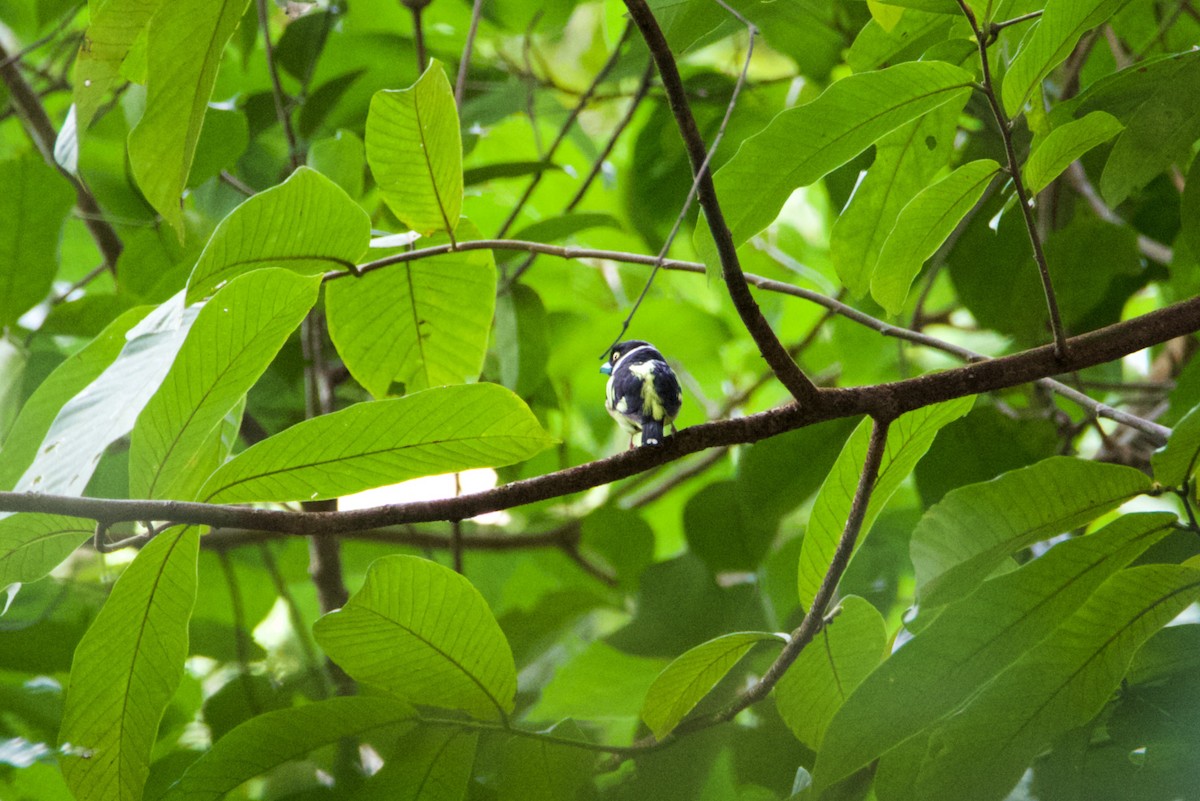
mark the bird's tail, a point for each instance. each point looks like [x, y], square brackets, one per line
[652, 432]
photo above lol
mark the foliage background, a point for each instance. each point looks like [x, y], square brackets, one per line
[194, 663]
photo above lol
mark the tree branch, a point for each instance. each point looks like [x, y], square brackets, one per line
[464, 63]
[772, 350]
[277, 93]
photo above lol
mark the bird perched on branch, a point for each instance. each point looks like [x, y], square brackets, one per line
[643, 394]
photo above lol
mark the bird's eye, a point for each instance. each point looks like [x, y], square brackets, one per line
[615, 355]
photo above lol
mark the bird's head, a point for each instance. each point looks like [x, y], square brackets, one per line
[622, 349]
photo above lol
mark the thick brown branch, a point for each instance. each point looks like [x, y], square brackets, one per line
[37, 123]
[772, 350]
[881, 400]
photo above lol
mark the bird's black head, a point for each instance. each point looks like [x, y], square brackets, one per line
[645, 352]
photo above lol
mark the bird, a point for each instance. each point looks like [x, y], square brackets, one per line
[643, 394]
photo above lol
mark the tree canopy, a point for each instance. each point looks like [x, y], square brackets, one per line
[307, 485]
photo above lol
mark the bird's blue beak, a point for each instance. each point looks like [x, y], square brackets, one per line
[606, 368]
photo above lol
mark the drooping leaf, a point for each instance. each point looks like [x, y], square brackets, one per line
[974, 529]
[423, 633]
[234, 339]
[427, 765]
[113, 27]
[804, 143]
[1059, 685]
[105, 410]
[367, 445]
[126, 669]
[974, 639]
[423, 324]
[844, 652]
[1053, 38]
[908, 439]
[1065, 144]
[34, 203]
[415, 152]
[31, 545]
[274, 738]
[921, 228]
[184, 43]
[1175, 462]
[686, 681]
[306, 224]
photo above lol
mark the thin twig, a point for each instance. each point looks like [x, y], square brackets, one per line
[464, 63]
[34, 45]
[240, 646]
[996, 27]
[1150, 248]
[299, 627]
[418, 33]
[277, 93]
[1023, 199]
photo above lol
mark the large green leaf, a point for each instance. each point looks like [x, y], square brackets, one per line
[441, 430]
[923, 226]
[531, 770]
[905, 161]
[908, 439]
[126, 669]
[1175, 462]
[1065, 144]
[426, 765]
[307, 224]
[1053, 38]
[113, 27]
[422, 323]
[33, 205]
[414, 149]
[423, 633]
[184, 43]
[974, 639]
[974, 529]
[844, 652]
[804, 143]
[106, 409]
[234, 339]
[1063, 683]
[38, 413]
[32, 544]
[686, 681]
[274, 738]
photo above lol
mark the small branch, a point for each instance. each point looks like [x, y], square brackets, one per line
[1014, 171]
[41, 130]
[1150, 248]
[582, 103]
[277, 93]
[464, 63]
[417, 7]
[299, 627]
[240, 644]
[996, 27]
[769, 346]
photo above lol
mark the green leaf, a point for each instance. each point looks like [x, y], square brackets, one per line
[686, 681]
[908, 439]
[106, 409]
[113, 27]
[1160, 132]
[340, 158]
[1061, 684]
[38, 413]
[531, 770]
[804, 143]
[33, 205]
[1175, 462]
[844, 652]
[234, 339]
[306, 224]
[1189, 209]
[505, 169]
[427, 765]
[184, 44]
[974, 639]
[972, 531]
[275, 738]
[31, 545]
[422, 323]
[415, 152]
[367, 445]
[905, 161]
[723, 532]
[522, 340]
[423, 633]
[923, 226]
[126, 669]
[1052, 40]
[1065, 144]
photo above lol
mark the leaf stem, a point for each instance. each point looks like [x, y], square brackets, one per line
[277, 93]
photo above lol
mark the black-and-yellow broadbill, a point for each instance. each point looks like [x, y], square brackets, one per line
[643, 394]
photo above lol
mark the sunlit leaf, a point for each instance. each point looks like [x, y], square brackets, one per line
[113, 27]
[1065, 144]
[367, 445]
[32, 544]
[908, 439]
[423, 633]
[126, 669]
[33, 205]
[415, 152]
